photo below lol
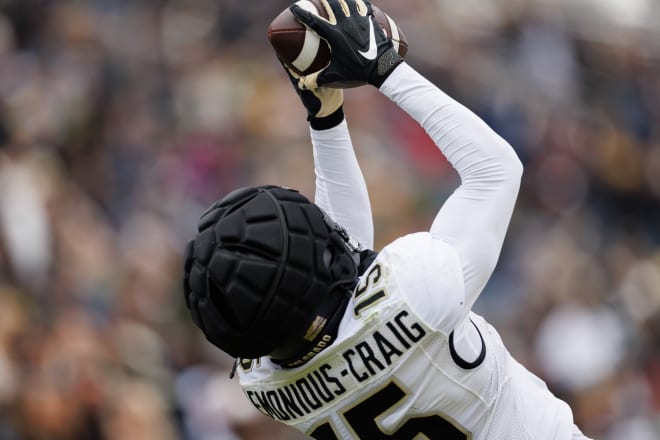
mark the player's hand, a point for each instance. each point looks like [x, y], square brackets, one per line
[360, 49]
[323, 104]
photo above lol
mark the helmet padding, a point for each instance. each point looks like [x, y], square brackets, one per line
[265, 265]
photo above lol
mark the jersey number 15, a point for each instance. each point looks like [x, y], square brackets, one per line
[362, 419]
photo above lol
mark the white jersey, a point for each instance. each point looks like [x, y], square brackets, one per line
[411, 361]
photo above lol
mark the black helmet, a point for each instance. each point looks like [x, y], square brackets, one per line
[266, 272]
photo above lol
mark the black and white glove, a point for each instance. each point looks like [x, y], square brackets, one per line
[324, 105]
[361, 52]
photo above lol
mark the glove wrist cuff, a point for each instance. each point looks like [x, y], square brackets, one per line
[387, 63]
[327, 122]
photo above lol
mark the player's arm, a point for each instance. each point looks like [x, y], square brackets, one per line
[341, 190]
[340, 186]
[474, 219]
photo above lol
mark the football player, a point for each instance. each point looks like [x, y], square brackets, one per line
[340, 341]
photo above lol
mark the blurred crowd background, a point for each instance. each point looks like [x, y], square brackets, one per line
[121, 120]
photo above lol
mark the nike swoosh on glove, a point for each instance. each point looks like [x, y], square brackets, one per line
[361, 52]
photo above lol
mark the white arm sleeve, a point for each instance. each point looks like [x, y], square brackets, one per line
[341, 190]
[474, 219]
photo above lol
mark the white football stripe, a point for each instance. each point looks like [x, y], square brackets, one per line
[395, 32]
[312, 41]
[308, 52]
[307, 5]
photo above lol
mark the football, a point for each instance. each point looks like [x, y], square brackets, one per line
[304, 52]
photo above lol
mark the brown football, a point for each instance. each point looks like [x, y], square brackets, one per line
[304, 52]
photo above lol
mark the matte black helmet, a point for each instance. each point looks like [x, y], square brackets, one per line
[266, 271]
